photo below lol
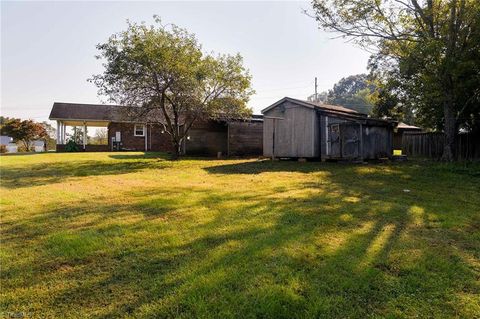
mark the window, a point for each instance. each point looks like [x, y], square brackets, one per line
[139, 130]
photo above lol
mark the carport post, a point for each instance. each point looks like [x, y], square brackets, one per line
[84, 135]
[58, 132]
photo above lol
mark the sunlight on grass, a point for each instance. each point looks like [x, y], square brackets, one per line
[136, 235]
[378, 244]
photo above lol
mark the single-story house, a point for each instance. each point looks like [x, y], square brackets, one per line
[11, 147]
[399, 131]
[230, 138]
[302, 129]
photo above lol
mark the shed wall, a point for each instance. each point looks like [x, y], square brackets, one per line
[296, 134]
[377, 141]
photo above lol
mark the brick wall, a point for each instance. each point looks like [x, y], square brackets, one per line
[156, 140]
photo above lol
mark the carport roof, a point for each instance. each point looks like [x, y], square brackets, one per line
[96, 113]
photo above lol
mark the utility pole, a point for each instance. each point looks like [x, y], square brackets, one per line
[316, 97]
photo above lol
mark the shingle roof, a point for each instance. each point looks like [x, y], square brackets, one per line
[109, 113]
[77, 111]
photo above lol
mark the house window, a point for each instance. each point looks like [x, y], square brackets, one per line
[139, 130]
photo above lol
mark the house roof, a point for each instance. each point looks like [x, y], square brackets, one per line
[404, 126]
[77, 112]
[319, 106]
[89, 112]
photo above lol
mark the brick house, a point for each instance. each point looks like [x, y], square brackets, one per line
[231, 138]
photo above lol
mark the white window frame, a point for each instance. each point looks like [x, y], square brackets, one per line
[135, 130]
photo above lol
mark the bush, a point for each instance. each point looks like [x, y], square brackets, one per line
[21, 148]
[3, 149]
[71, 146]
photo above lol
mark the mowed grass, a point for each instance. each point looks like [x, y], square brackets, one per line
[136, 235]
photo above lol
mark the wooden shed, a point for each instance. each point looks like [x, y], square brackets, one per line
[300, 129]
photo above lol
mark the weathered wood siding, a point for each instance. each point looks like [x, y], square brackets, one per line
[207, 138]
[377, 141]
[431, 145]
[245, 138]
[296, 135]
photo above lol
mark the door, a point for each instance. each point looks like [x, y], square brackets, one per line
[334, 141]
[350, 140]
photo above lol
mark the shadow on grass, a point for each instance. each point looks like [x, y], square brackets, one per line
[146, 155]
[352, 250]
[48, 173]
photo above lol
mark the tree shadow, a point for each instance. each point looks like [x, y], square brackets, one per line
[56, 172]
[280, 253]
[145, 155]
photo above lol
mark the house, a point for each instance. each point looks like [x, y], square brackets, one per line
[230, 138]
[302, 129]
[400, 130]
[11, 147]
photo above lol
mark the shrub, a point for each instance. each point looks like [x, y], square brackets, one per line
[3, 149]
[71, 146]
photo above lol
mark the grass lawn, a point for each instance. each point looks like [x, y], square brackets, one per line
[131, 235]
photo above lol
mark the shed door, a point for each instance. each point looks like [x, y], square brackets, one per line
[350, 136]
[334, 140]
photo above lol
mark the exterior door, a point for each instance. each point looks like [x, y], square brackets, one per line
[334, 141]
[350, 136]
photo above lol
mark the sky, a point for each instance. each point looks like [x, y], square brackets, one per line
[48, 48]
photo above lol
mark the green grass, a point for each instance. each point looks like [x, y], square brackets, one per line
[131, 235]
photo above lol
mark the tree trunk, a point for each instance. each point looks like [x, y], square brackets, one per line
[177, 149]
[450, 130]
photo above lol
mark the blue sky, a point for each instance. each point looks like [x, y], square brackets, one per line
[48, 48]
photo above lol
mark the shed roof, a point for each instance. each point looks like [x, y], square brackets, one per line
[404, 126]
[333, 110]
[320, 106]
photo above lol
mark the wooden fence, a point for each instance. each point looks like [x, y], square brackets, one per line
[431, 145]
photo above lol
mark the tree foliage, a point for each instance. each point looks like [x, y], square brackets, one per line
[162, 71]
[353, 92]
[425, 56]
[25, 131]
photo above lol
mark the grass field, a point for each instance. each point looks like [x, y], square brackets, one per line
[131, 235]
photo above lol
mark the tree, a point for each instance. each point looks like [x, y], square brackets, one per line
[431, 47]
[77, 135]
[51, 135]
[100, 137]
[321, 97]
[353, 92]
[23, 131]
[163, 74]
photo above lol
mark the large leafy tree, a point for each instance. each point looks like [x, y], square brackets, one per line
[163, 72]
[429, 48]
[25, 131]
[353, 92]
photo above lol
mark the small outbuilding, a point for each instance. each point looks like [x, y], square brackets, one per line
[299, 129]
[401, 129]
